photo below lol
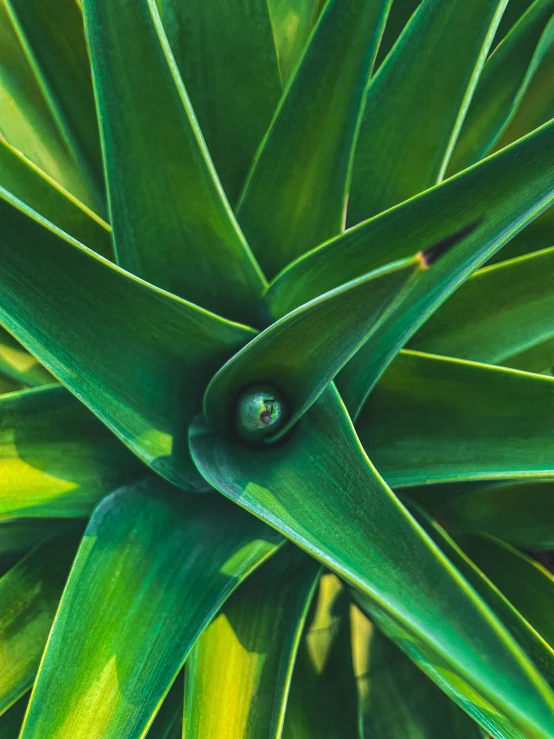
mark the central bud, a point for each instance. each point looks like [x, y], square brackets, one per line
[261, 412]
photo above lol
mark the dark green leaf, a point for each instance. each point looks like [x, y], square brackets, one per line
[400, 13]
[320, 490]
[172, 224]
[20, 535]
[54, 42]
[137, 356]
[402, 148]
[295, 195]
[292, 22]
[433, 419]
[247, 653]
[168, 723]
[226, 54]
[514, 10]
[10, 722]
[56, 458]
[153, 568]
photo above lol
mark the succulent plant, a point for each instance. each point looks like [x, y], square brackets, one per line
[276, 423]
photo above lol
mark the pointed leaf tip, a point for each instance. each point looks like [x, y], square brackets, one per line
[433, 253]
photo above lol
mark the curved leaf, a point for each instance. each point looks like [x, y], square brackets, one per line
[295, 195]
[247, 653]
[520, 513]
[20, 366]
[138, 357]
[498, 316]
[292, 21]
[29, 594]
[54, 41]
[163, 564]
[171, 222]
[434, 419]
[402, 150]
[56, 458]
[302, 353]
[321, 491]
[25, 120]
[502, 85]
[20, 177]
[227, 58]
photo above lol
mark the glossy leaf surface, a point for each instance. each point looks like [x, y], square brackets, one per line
[54, 41]
[247, 653]
[56, 458]
[227, 56]
[138, 357]
[153, 568]
[432, 419]
[402, 149]
[172, 224]
[320, 490]
[295, 195]
[292, 21]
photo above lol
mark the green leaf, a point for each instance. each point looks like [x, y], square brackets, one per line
[19, 535]
[435, 419]
[20, 177]
[292, 21]
[20, 366]
[137, 356]
[402, 149]
[526, 583]
[302, 353]
[502, 85]
[514, 10]
[295, 195]
[321, 491]
[398, 699]
[56, 458]
[400, 13]
[168, 723]
[226, 55]
[247, 653]
[29, 594]
[10, 722]
[171, 222]
[26, 121]
[153, 568]
[499, 316]
[520, 513]
[53, 38]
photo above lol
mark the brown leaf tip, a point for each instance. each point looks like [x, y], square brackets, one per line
[429, 256]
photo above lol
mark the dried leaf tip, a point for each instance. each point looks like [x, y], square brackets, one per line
[429, 256]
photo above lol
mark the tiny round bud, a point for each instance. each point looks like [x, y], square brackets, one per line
[261, 412]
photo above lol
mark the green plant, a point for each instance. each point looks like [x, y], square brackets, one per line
[192, 394]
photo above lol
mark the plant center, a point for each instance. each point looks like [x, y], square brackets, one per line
[261, 412]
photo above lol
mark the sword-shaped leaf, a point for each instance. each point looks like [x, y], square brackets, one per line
[247, 653]
[433, 419]
[402, 148]
[292, 21]
[320, 490]
[400, 13]
[295, 195]
[137, 356]
[153, 568]
[171, 222]
[227, 58]
[514, 10]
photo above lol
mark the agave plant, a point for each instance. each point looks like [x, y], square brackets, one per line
[276, 446]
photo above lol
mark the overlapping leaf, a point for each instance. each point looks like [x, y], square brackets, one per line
[20, 366]
[292, 21]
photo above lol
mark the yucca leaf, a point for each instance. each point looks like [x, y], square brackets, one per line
[321, 491]
[168, 723]
[533, 644]
[137, 356]
[10, 722]
[20, 177]
[20, 366]
[153, 568]
[502, 315]
[26, 121]
[502, 86]
[304, 351]
[295, 195]
[322, 701]
[519, 512]
[400, 13]
[292, 21]
[53, 38]
[397, 699]
[402, 150]
[248, 652]
[56, 458]
[226, 54]
[29, 594]
[171, 222]
[435, 419]
[528, 585]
